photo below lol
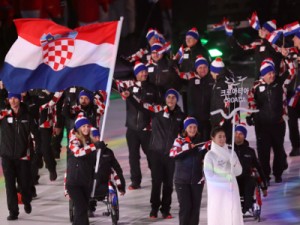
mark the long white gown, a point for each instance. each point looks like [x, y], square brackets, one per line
[223, 203]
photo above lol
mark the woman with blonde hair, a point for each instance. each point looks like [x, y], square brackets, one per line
[80, 167]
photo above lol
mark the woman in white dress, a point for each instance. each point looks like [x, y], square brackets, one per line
[221, 169]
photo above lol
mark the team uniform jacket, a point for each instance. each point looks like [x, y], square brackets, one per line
[166, 124]
[188, 160]
[80, 163]
[270, 99]
[162, 75]
[293, 88]
[3, 98]
[186, 56]
[198, 107]
[109, 164]
[16, 131]
[93, 111]
[42, 105]
[249, 162]
[69, 97]
[137, 117]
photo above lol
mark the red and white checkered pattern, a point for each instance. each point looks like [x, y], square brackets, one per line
[51, 114]
[58, 53]
[76, 146]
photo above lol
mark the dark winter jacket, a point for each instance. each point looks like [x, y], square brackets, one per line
[249, 161]
[71, 108]
[190, 55]
[199, 95]
[36, 98]
[137, 117]
[163, 75]
[166, 125]
[188, 161]
[267, 51]
[269, 100]
[15, 132]
[106, 164]
[3, 98]
[81, 161]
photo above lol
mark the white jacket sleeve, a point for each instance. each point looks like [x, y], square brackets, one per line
[208, 167]
[237, 167]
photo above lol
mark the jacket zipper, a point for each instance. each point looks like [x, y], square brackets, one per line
[137, 119]
[269, 98]
[192, 170]
[16, 133]
[171, 125]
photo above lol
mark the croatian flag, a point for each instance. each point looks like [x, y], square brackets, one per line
[160, 37]
[228, 30]
[291, 28]
[218, 26]
[294, 100]
[254, 22]
[165, 48]
[53, 57]
[181, 54]
[274, 36]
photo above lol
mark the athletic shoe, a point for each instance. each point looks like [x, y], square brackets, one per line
[12, 217]
[27, 208]
[153, 214]
[134, 186]
[167, 215]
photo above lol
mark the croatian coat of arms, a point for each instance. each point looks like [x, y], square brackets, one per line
[58, 49]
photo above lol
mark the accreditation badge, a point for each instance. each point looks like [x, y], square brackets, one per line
[150, 69]
[262, 88]
[135, 90]
[262, 48]
[166, 115]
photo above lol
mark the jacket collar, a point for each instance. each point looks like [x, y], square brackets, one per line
[221, 152]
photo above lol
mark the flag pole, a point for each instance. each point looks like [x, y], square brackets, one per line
[110, 76]
[108, 91]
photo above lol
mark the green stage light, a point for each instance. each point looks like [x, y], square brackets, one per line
[215, 52]
[203, 41]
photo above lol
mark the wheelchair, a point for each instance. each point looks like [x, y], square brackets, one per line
[110, 199]
[257, 200]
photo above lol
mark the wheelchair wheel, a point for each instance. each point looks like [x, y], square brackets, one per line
[71, 210]
[114, 215]
[256, 215]
[113, 206]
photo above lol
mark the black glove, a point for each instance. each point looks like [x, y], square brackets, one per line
[100, 144]
[173, 63]
[250, 120]
[196, 148]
